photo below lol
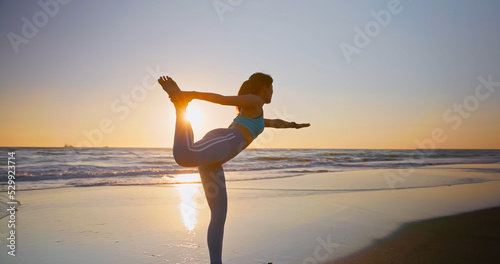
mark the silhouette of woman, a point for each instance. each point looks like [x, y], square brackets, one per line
[222, 144]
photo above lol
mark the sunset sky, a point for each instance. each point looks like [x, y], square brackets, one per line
[365, 74]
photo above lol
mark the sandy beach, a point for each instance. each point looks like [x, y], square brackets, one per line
[314, 218]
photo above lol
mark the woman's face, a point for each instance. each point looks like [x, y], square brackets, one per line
[268, 94]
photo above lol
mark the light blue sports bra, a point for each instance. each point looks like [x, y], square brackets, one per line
[254, 125]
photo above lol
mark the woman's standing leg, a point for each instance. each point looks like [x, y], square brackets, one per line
[214, 184]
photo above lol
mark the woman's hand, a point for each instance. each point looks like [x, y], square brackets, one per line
[297, 126]
[183, 97]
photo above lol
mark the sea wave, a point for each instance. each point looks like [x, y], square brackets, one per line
[41, 167]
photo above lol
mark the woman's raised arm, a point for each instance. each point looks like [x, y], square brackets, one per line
[248, 100]
[170, 86]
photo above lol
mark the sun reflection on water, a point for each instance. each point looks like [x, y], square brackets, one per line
[187, 178]
[188, 205]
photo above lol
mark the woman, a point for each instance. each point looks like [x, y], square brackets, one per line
[220, 145]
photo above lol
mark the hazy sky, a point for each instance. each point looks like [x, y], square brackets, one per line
[365, 74]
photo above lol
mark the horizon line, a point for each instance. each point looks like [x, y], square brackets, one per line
[69, 147]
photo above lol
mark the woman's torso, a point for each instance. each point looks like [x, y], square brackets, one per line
[250, 113]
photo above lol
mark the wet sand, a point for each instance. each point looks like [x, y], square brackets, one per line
[472, 237]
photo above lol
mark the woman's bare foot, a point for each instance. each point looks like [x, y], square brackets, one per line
[169, 86]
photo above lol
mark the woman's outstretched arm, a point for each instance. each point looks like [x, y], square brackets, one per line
[176, 94]
[278, 123]
[248, 100]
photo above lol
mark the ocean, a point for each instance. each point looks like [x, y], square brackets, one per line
[43, 168]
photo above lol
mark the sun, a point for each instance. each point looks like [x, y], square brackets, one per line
[194, 116]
